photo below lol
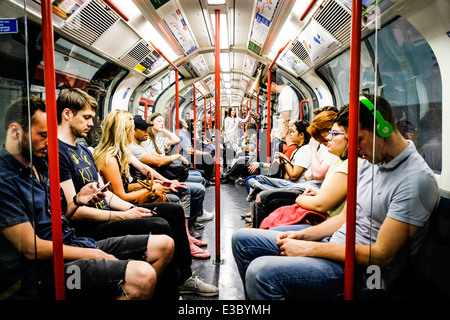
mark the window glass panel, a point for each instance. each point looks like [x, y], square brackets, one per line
[408, 77]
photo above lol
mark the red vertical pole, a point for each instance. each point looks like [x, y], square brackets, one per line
[53, 155]
[257, 126]
[177, 106]
[169, 123]
[177, 93]
[204, 110]
[355, 62]
[146, 111]
[269, 81]
[194, 127]
[218, 115]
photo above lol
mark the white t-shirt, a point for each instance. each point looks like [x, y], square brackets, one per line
[301, 157]
[162, 142]
[287, 101]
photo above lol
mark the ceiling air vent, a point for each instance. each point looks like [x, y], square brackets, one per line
[299, 50]
[142, 57]
[334, 18]
[90, 21]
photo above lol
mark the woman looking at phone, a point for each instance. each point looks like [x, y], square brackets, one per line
[112, 157]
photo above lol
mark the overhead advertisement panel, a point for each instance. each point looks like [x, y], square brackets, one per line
[318, 42]
[265, 11]
[370, 8]
[175, 22]
[294, 62]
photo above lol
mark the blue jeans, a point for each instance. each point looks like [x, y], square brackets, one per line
[267, 276]
[195, 176]
[191, 199]
[261, 182]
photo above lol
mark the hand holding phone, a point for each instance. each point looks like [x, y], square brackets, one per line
[103, 188]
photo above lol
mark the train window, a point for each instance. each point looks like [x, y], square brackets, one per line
[408, 76]
[14, 65]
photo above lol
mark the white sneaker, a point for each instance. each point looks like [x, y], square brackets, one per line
[206, 216]
[196, 285]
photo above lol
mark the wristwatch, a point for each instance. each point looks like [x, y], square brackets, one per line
[75, 202]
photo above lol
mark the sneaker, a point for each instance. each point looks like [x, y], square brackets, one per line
[206, 216]
[196, 285]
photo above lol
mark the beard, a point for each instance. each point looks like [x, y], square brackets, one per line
[78, 133]
[24, 147]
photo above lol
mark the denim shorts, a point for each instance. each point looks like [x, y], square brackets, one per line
[104, 279]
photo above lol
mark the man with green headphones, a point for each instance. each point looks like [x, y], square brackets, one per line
[396, 192]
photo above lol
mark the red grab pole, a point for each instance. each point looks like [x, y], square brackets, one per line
[269, 81]
[116, 9]
[355, 62]
[218, 115]
[177, 93]
[194, 127]
[53, 155]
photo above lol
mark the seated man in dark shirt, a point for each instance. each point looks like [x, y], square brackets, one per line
[114, 268]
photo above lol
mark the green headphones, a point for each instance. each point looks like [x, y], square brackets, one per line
[384, 128]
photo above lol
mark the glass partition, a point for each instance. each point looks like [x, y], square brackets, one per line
[408, 76]
[18, 275]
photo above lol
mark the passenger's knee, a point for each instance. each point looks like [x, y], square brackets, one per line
[162, 247]
[140, 281]
[237, 238]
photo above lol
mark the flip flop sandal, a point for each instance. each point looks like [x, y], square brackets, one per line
[200, 253]
[198, 242]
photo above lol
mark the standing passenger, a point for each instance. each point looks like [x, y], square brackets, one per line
[232, 124]
[288, 108]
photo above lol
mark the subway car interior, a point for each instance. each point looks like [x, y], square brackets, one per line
[201, 60]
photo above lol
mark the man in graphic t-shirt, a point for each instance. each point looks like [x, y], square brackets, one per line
[76, 109]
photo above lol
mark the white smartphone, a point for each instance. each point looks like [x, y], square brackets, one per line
[101, 190]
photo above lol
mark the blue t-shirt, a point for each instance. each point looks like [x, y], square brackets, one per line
[76, 163]
[185, 142]
[23, 198]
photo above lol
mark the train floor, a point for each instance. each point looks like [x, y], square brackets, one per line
[223, 273]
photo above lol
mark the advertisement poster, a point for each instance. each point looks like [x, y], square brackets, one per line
[177, 26]
[294, 62]
[370, 8]
[317, 41]
[265, 11]
[65, 8]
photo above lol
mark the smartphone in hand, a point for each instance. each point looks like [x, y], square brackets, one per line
[101, 190]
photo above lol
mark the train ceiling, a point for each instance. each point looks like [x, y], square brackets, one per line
[252, 33]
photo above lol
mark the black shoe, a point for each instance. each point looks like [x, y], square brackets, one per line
[209, 183]
[195, 234]
[198, 226]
